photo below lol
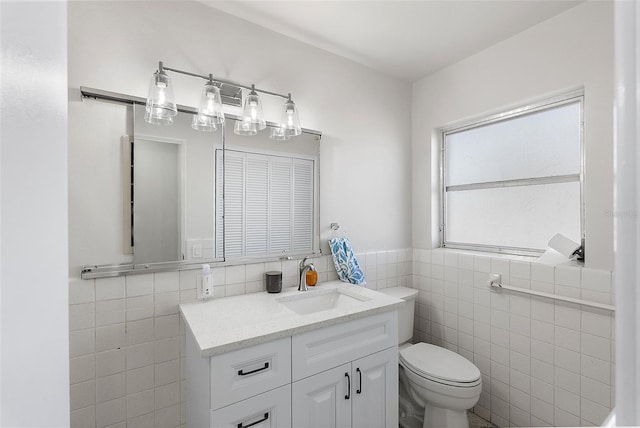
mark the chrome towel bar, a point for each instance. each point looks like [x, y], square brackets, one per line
[495, 284]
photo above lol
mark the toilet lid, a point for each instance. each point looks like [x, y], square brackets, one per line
[439, 363]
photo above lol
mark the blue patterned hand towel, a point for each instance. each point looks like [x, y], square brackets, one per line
[345, 261]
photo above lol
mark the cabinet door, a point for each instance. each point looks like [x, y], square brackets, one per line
[323, 400]
[375, 390]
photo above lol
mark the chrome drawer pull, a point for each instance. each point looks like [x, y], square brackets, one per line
[266, 416]
[242, 373]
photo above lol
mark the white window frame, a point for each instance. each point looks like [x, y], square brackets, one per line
[541, 105]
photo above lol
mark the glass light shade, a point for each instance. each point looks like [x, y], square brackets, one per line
[290, 120]
[161, 106]
[203, 123]
[253, 111]
[157, 120]
[210, 112]
[245, 127]
[279, 133]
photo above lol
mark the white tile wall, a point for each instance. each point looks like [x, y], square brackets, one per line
[127, 338]
[543, 362]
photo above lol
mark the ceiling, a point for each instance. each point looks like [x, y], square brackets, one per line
[405, 39]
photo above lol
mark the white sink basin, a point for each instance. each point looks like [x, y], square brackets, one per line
[309, 302]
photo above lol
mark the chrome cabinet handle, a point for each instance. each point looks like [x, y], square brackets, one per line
[359, 390]
[243, 373]
[266, 416]
[346, 397]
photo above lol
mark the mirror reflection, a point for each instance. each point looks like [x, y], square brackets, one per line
[271, 195]
[269, 200]
[177, 184]
[173, 189]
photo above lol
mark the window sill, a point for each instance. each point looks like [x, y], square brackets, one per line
[502, 256]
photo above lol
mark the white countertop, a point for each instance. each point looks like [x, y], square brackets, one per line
[230, 323]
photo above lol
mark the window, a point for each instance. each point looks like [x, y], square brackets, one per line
[513, 180]
[268, 204]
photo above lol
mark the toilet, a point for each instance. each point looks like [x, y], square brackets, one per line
[437, 386]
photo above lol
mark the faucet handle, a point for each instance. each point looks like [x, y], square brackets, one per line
[303, 261]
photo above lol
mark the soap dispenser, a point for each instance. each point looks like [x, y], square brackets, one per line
[206, 286]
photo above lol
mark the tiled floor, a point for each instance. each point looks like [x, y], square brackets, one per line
[476, 421]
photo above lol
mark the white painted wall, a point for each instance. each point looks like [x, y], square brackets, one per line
[33, 193]
[570, 50]
[364, 115]
[626, 199]
[364, 180]
[532, 375]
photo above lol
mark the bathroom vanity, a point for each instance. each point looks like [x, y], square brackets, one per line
[322, 358]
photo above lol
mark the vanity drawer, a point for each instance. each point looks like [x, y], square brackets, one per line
[241, 374]
[268, 410]
[332, 346]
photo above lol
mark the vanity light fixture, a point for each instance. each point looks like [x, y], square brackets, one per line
[210, 112]
[161, 107]
[252, 112]
[290, 119]
[290, 124]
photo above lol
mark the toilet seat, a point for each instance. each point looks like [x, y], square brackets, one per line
[440, 365]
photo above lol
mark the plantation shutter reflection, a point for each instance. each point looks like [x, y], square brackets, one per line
[256, 205]
[219, 203]
[303, 202]
[234, 172]
[281, 204]
[268, 204]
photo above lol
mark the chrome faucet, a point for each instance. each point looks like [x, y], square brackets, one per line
[304, 268]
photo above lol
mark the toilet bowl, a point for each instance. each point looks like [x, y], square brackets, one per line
[440, 385]
[444, 383]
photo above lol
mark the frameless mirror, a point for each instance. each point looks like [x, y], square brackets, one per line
[159, 197]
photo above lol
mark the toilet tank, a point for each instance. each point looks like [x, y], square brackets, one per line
[405, 312]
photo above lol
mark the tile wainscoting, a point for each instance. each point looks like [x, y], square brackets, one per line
[127, 339]
[543, 362]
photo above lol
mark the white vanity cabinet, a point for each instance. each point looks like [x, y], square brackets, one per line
[363, 394]
[343, 375]
[249, 387]
[347, 374]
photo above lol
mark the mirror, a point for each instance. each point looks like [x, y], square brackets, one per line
[167, 191]
[173, 190]
[271, 196]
